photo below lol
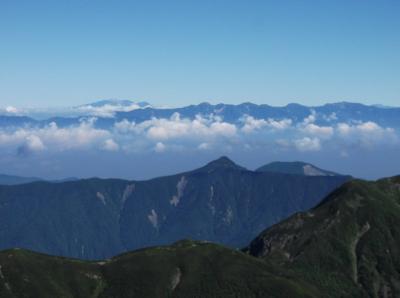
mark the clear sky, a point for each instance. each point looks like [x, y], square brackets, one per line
[58, 53]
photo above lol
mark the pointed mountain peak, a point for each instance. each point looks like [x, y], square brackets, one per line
[222, 163]
[223, 159]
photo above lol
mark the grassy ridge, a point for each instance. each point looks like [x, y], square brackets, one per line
[186, 269]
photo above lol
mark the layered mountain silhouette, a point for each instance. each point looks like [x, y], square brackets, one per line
[99, 218]
[347, 246]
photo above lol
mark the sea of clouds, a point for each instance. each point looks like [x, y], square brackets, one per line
[201, 133]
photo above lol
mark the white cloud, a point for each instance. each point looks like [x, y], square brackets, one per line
[321, 131]
[221, 129]
[330, 117]
[204, 146]
[280, 125]
[308, 127]
[164, 129]
[308, 144]
[369, 127]
[34, 143]
[311, 118]
[126, 126]
[107, 110]
[252, 124]
[344, 129]
[53, 137]
[12, 110]
[366, 132]
[72, 137]
[110, 145]
[159, 147]
[175, 127]
[201, 133]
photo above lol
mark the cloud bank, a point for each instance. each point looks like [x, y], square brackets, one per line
[201, 133]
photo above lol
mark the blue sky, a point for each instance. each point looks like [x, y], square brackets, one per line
[58, 53]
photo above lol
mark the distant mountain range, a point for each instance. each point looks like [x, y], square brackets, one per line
[116, 103]
[112, 111]
[347, 246]
[98, 218]
[16, 180]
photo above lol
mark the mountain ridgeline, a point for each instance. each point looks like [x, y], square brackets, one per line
[99, 218]
[295, 168]
[184, 269]
[347, 246]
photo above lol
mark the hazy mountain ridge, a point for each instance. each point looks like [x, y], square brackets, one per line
[15, 180]
[117, 102]
[330, 113]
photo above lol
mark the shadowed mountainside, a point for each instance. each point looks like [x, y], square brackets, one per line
[98, 218]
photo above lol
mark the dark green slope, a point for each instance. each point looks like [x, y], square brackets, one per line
[348, 246]
[95, 218]
[185, 269]
[28, 274]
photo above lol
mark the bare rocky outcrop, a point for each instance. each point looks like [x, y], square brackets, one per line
[180, 187]
[153, 218]
[353, 250]
[176, 278]
[129, 189]
[101, 197]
